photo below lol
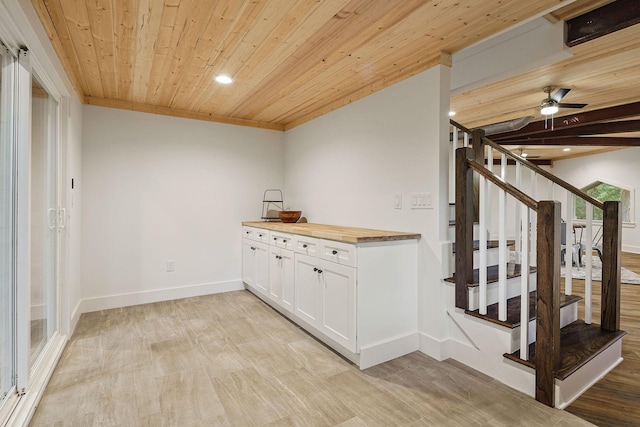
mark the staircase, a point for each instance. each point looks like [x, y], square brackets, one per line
[509, 316]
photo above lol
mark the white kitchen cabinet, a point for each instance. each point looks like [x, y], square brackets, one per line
[355, 289]
[255, 265]
[307, 285]
[325, 298]
[338, 320]
[281, 274]
[306, 245]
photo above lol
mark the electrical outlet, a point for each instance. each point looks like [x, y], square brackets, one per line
[171, 266]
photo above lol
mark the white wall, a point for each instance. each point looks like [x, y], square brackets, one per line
[73, 244]
[344, 168]
[616, 167]
[158, 188]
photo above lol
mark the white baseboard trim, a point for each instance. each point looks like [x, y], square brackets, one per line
[632, 249]
[439, 349]
[107, 302]
[75, 316]
[381, 352]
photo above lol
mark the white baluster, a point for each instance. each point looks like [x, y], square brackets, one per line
[533, 216]
[452, 175]
[568, 251]
[524, 286]
[517, 221]
[502, 246]
[482, 268]
[588, 292]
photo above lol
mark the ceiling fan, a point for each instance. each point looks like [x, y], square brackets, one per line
[551, 104]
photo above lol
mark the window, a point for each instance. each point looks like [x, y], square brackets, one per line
[605, 192]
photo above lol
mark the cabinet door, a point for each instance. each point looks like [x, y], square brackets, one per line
[287, 279]
[261, 283]
[339, 304]
[248, 262]
[275, 275]
[307, 289]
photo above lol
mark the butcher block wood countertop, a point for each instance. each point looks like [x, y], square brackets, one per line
[334, 232]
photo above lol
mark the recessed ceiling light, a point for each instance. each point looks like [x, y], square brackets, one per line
[452, 113]
[566, 149]
[225, 80]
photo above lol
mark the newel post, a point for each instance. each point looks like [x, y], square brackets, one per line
[611, 253]
[464, 226]
[547, 355]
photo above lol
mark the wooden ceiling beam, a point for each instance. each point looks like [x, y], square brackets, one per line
[590, 129]
[582, 141]
[601, 21]
[573, 121]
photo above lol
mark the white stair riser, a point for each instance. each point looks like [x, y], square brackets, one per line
[493, 257]
[452, 232]
[568, 314]
[513, 290]
[572, 387]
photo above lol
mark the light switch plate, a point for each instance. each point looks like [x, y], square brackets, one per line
[397, 201]
[421, 201]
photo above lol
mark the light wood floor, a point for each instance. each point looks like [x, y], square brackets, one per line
[228, 359]
[615, 400]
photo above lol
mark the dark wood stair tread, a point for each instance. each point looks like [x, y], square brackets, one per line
[579, 343]
[491, 244]
[513, 310]
[492, 275]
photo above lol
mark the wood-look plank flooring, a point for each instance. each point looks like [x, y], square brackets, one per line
[228, 359]
[615, 400]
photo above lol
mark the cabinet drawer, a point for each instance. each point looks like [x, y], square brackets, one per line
[281, 240]
[340, 253]
[306, 245]
[256, 234]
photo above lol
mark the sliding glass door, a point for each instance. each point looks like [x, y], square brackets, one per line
[30, 221]
[7, 212]
[45, 219]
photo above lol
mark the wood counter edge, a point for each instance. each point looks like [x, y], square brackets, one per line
[368, 235]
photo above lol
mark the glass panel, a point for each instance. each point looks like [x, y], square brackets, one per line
[604, 192]
[7, 298]
[43, 222]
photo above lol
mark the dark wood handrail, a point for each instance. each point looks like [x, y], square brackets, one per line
[551, 177]
[537, 169]
[459, 126]
[517, 194]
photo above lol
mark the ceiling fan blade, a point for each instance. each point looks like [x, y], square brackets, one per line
[565, 105]
[561, 93]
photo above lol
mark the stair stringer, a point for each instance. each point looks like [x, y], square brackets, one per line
[481, 345]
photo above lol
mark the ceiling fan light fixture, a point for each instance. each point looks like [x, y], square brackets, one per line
[549, 108]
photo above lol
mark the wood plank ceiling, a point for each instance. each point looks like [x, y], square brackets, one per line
[295, 60]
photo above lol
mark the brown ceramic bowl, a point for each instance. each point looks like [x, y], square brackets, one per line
[290, 216]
